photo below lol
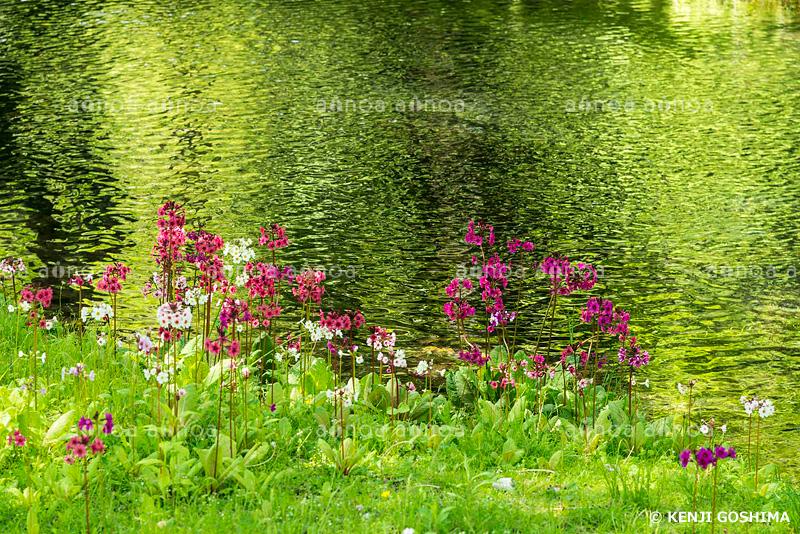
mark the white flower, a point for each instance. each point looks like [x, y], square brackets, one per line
[48, 325]
[422, 367]
[748, 407]
[11, 308]
[766, 409]
[647, 383]
[162, 377]
[25, 306]
[724, 428]
[278, 357]
[442, 372]
[682, 389]
[409, 530]
[704, 429]
[742, 399]
[42, 357]
[359, 359]
[147, 373]
[101, 340]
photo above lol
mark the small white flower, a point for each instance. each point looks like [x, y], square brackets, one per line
[409, 530]
[11, 308]
[704, 429]
[724, 428]
[162, 377]
[25, 306]
[647, 383]
[682, 389]
[359, 359]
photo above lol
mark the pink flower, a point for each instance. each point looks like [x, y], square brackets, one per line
[98, 447]
[17, 439]
[234, 349]
[79, 451]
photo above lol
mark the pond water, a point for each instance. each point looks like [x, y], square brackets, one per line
[656, 139]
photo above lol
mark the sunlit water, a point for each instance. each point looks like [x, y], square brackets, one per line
[655, 139]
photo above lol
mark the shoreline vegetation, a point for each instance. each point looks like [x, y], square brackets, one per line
[249, 405]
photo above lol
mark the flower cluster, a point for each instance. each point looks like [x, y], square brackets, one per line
[79, 370]
[633, 354]
[706, 457]
[81, 281]
[32, 294]
[380, 339]
[16, 438]
[234, 312]
[473, 356]
[174, 315]
[764, 407]
[160, 373]
[12, 266]
[111, 278]
[239, 252]
[171, 234]
[566, 278]
[345, 394]
[611, 320]
[77, 445]
[458, 309]
[476, 233]
[144, 344]
[98, 312]
[340, 322]
[516, 244]
[309, 286]
[274, 237]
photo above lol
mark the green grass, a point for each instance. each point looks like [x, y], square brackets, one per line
[286, 484]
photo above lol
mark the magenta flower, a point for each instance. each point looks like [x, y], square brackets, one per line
[685, 456]
[473, 356]
[16, 438]
[86, 424]
[108, 427]
[704, 457]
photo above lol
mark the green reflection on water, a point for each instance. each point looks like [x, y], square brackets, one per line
[106, 109]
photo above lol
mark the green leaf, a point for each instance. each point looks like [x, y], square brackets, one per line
[511, 453]
[59, 430]
[555, 460]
